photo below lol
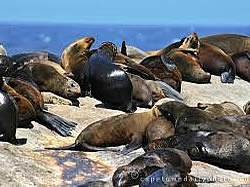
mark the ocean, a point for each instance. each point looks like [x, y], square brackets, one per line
[18, 38]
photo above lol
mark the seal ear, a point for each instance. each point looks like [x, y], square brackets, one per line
[124, 49]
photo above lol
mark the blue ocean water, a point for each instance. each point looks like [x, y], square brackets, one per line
[19, 38]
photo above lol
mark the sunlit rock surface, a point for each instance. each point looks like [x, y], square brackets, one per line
[31, 165]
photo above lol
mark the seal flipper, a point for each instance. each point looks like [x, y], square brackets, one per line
[54, 122]
[136, 142]
[83, 147]
[124, 49]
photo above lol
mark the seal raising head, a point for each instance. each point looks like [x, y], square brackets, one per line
[108, 48]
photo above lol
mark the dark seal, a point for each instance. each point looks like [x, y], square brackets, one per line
[144, 165]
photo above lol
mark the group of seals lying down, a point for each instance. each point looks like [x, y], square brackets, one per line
[171, 133]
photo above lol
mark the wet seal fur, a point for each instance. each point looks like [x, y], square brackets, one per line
[34, 109]
[108, 82]
[224, 149]
[146, 164]
[124, 129]
[8, 117]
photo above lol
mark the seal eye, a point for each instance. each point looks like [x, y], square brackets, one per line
[72, 85]
[193, 151]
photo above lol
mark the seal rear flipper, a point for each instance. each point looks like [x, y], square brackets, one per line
[56, 123]
[84, 147]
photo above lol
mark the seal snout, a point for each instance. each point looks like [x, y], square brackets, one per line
[73, 89]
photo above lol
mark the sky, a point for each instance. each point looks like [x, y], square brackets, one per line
[133, 12]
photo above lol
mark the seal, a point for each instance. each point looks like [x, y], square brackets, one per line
[188, 64]
[224, 108]
[141, 94]
[26, 111]
[109, 83]
[74, 60]
[126, 129]
[47, 78]
[242, 64]
[229, 43]
[38, 114]
[170, 159]
[164, 68]
[22, 58]
[213, 60]
[188, 119]
[8, 117]
[224, 149]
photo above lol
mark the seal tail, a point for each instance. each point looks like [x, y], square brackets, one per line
[56, 123]
[84, 147]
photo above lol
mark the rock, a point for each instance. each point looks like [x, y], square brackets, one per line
[31, 165]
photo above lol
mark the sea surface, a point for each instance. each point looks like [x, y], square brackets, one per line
[18, 38]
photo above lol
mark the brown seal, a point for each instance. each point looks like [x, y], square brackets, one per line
[185, 55]
[8, 117]
[229, 43]
[49, 76]
[213, 60]
[141, 93]
[224, 108]
[125, 129]
[32, 108]
[75, 54]
[164, 69]
[242, 63]
[151, 161]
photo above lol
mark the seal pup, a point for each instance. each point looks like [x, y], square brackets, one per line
[8, 117]
[133, 173]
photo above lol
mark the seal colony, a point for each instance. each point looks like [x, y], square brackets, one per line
[171, 132]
